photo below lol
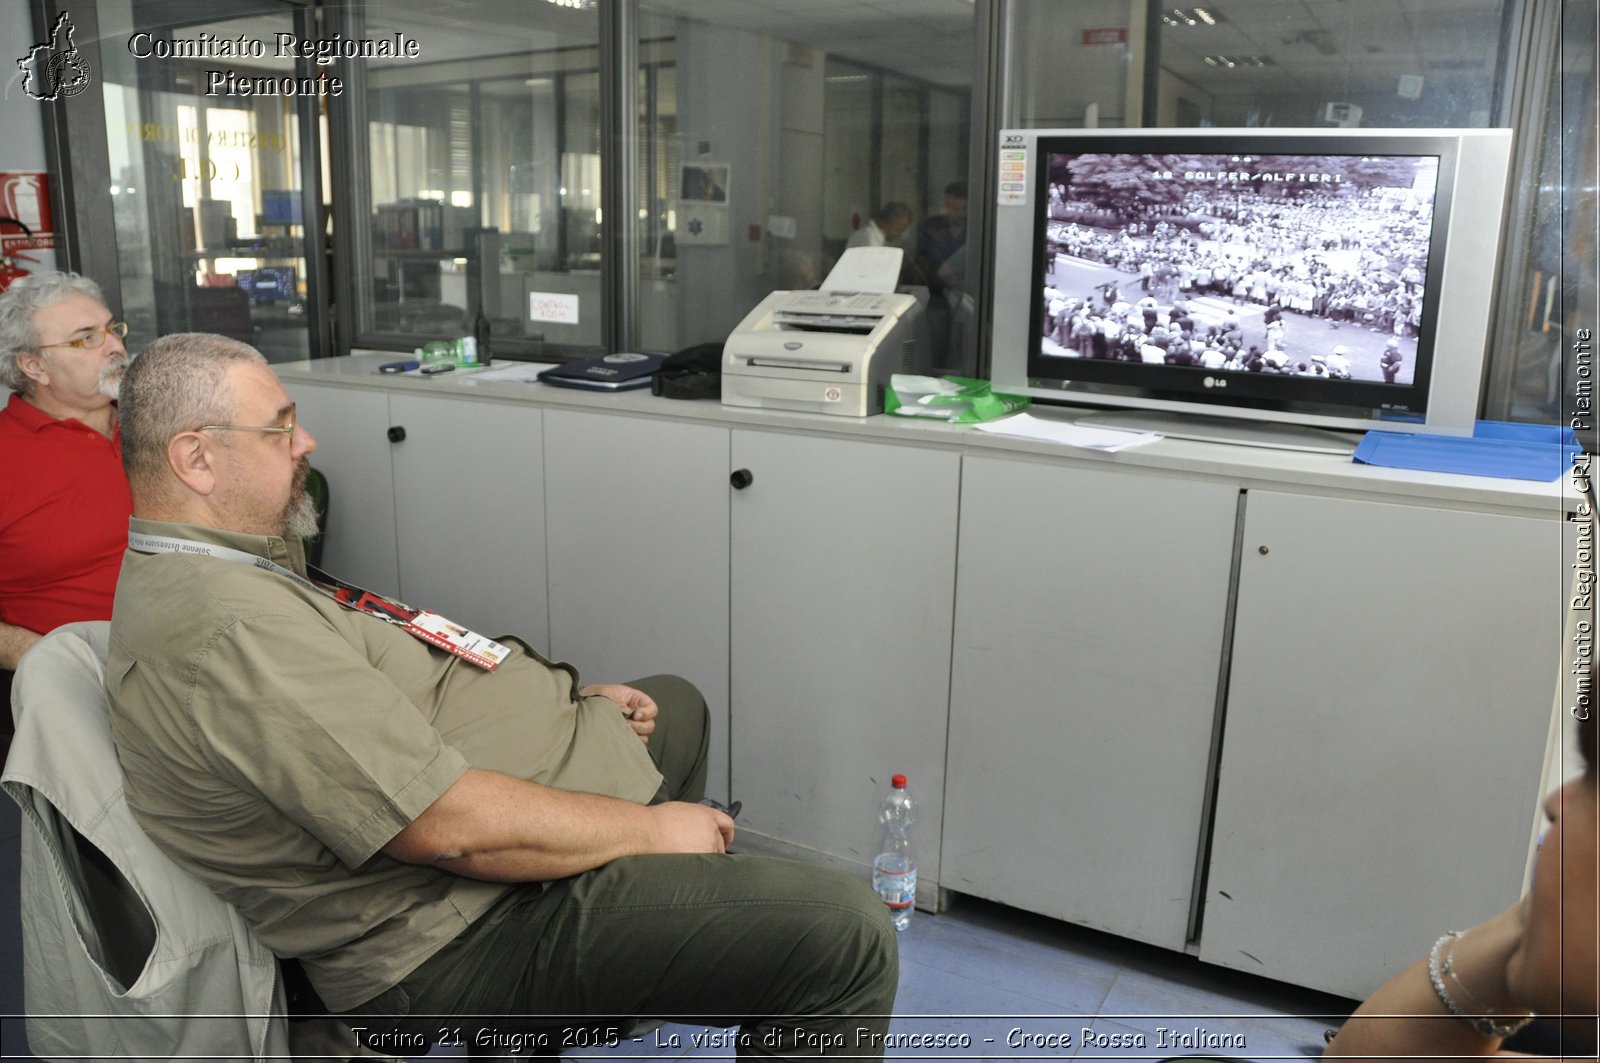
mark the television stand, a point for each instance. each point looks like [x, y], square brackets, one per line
[1235, 430]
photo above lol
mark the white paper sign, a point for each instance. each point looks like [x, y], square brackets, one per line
[558, 307]
[702, 223]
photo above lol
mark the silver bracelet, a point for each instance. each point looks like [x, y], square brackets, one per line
[1438, 968]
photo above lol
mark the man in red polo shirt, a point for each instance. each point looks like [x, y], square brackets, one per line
[64, 500]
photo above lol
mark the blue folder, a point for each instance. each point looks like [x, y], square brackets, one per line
[1495, 448]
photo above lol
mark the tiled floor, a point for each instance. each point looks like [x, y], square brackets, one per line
[1017, 986]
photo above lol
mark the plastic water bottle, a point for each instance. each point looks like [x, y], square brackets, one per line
[480, 333]
[894, 869]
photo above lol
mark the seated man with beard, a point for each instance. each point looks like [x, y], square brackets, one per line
[433, 823]
[64, 499]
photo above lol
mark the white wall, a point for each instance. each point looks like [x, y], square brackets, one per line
[731, 100]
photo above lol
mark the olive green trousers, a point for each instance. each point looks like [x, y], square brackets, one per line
[800, 958]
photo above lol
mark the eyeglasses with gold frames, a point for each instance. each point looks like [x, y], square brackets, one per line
[275, 430]
[92, 339]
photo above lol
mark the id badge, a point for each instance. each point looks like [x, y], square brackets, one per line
[430, 627]
[451, 637]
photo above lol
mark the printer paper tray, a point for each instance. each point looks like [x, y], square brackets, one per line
[799, 365]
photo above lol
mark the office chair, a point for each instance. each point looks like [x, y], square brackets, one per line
[6, 729]
[321, 497]
[122, 951]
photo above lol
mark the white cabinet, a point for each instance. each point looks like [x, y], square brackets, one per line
[1284, 711]
[843, 562]
[351, 429]
[469, 512]
[1385, 712]
[437, 500]
[1091, 619]
[637, 526]
[1388, 711]
[812, 606]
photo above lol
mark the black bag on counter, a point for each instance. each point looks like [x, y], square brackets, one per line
[692, 373]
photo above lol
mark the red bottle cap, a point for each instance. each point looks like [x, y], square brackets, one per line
[898, 782]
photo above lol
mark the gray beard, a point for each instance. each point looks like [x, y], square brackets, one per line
[110, 379]
[300, 519]
[300, 515]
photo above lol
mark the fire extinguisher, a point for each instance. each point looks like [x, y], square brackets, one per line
[10, 271]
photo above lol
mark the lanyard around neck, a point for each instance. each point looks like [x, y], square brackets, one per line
[430, 627]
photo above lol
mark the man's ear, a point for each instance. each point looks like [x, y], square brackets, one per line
[32, 365]
[191, 458]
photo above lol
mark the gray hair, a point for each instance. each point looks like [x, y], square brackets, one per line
[177, 384]
[20, 304]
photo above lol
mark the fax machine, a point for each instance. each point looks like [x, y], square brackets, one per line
[824, 351]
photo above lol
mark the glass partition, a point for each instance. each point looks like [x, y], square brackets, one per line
[1238, 63]
[769, 140]
[206, 188]
[1543, 369]
[1371, 64]
[480, 189]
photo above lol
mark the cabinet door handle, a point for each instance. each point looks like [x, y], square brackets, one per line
[741, 479]
[397, 434]
[1263, 550]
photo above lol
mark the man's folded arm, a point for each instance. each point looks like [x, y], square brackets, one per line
[14, 642]
[497, 827]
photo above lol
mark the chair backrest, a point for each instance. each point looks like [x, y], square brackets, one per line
[124, 953]
[113, 904]
[6, 728]
[321, 497]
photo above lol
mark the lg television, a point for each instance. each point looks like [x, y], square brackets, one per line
[1267, 287]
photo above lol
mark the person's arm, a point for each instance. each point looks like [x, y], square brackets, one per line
[297, 714]
[14, 642]
[1405, 1017]
[503, 829]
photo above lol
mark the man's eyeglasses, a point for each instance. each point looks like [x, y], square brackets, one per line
[276, 430]
[93, 338]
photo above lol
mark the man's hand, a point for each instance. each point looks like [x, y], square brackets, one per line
[640, 708]
[686, 828]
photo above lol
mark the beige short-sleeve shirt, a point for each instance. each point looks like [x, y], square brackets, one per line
[274, 741]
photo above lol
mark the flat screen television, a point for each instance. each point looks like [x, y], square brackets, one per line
[1268, 287]
[270, 284]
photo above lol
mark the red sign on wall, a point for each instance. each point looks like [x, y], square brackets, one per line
[1106, 35]
[25, 208]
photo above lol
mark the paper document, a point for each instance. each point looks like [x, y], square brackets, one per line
[1027, 426]
[866, 269]
[515, 373]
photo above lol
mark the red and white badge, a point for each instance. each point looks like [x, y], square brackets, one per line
[453, 638]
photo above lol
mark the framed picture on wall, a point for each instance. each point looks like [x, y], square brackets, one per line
[703, 203]
[703, 182]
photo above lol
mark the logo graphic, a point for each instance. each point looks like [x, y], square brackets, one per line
[1214, 382]
[55, 69]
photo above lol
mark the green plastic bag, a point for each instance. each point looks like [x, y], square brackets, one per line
[958, 399]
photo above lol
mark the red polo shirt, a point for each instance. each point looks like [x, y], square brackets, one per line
[64, 507]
